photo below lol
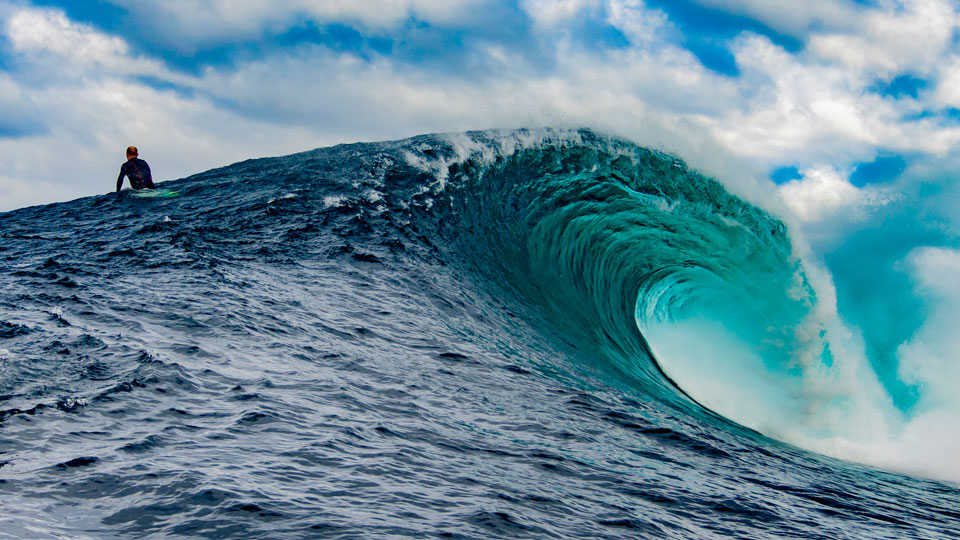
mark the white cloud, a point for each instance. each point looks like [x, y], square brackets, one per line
[805, 109]
[20, 114]
[948, 91]
[798, 109]
[91, 114]
[821, 192]
[32, 30]
[639, 24]
[50, 39]
[347, 99]
[886, 43]
[184, 24]
[82, 152]
[546, 13]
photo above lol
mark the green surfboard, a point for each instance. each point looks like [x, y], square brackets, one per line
[154, 193]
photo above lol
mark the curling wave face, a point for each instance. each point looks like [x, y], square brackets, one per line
[606, 235]
[494, 334]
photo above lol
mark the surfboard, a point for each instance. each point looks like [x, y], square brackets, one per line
[154, 193]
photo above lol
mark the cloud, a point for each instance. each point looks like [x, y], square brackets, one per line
[91, 86]
[806, 109]
[947, 93]
[21, 116]
[814, 109]
[83, 88]
[48, 38]
[51, 31]
[803, 110]
[912, 39]
[187, 25]
[820, 193]
[641, 25]
[547, 13]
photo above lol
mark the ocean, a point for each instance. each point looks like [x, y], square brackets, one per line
[506, 334]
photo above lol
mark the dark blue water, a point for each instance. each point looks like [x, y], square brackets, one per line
[436, 337]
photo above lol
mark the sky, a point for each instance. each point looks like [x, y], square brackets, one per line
[824, 96]
[840, 116]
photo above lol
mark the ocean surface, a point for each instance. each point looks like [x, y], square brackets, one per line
[449, 336]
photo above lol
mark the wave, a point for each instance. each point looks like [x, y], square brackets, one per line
[655, 273]
[695, 295]
[611, 238]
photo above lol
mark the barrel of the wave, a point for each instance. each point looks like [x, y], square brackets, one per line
[613, 240]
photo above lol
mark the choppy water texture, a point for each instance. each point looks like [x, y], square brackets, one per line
[435, 337]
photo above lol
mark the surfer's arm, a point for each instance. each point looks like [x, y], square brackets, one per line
[120, 179]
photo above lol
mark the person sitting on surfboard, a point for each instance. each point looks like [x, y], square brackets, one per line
[136, 170]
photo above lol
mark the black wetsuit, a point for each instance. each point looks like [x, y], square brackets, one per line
[138, 172]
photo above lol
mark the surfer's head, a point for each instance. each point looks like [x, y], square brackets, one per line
[132, 152]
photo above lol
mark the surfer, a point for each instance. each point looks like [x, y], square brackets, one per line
[136, 170]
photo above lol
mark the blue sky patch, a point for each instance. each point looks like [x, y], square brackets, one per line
[100, 14]
[714, 56]
[899, 87]
[883, 169]
[707, 32]
[695, 20]
[785, 174]
[336, 36]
